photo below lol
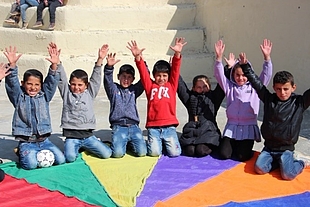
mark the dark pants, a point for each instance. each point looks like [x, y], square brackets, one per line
[240, 149]
[1, 175]
[52, 5]
[199, 150]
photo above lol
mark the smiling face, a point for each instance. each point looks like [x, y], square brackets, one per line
[239, 77]
[32, 85]
[161, 78]
[125, 79]
[284, 91]
[77, 85]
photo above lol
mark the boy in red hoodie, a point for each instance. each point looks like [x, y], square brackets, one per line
[161, 95]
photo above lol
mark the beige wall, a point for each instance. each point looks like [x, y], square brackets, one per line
[243, 24]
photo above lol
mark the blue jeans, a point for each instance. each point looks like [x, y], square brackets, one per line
[90, 144]
[167, 136]
[121, 135]
[28, 153]
[24, 5]
[289, 167]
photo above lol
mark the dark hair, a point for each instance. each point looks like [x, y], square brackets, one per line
[79, 74]
[203, 78]
[35, 73]
[161, 66]
[127, 69]
[283, 77]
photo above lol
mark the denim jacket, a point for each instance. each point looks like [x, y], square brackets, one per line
[21, 123]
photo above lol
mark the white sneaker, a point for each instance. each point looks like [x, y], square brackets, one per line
[304, 158]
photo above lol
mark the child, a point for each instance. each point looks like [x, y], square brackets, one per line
[3, 73]
[242, 105]
[78, 117]
[52, 5]
[124, 117]
[161, 95]
[283, 114]
[31, 123]
[200, 134]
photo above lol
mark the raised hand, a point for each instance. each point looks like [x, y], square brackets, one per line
[11, 54]
[242, 58]
[219, 48]
[231, 60]
[103, 51]
[266, 48]
[4, 70]
[136, 52]
[179, 44]
[54, 53]
[111, 61]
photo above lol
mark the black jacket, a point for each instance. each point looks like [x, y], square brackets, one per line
[206, 130]
[282, 119]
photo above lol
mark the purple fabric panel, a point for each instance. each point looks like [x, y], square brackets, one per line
[174, 175]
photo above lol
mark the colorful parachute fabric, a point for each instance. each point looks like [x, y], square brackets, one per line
[149, 181]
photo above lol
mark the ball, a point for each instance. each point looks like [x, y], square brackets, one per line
[45, 158]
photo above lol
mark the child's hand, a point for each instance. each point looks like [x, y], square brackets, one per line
[10, 54]
[136, 52]
[242, 57]
[4, 70]
[103, 51]
[231, 60]
[266, 48]
[54, 55]
[111, 61]
[179, 43]
[219, 48]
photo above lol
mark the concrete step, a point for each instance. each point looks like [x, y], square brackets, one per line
[86, 42]
[79, 18]
[191, 64]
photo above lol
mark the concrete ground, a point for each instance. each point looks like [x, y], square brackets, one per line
[101, 107]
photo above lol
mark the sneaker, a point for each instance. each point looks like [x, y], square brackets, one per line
[15, 13]
[37, 24]
[304, 158]
[24, 25]
[51, 26]
[10, 21]
[16, 151]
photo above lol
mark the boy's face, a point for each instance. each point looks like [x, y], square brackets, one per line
[239, 77]
[284, 91]
[125, 79]
[32, 86]
[201, 87]
[161, 78]
[77, 85]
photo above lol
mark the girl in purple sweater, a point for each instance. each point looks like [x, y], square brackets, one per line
[242, 103]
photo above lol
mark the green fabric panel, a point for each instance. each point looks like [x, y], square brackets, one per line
[72, 179]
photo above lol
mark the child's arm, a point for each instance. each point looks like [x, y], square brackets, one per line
[95, 78]
[144, 74]
[252, 77]
[53, 77]
[12, 84]
[266, 73]
[108, 82]
[219, 48]
[176, 62]
[183, 91]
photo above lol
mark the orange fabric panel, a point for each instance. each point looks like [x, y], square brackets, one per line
[239, 184]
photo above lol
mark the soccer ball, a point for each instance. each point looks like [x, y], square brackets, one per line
[45, 158]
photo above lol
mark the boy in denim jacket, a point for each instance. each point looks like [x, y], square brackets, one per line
[31, 123]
